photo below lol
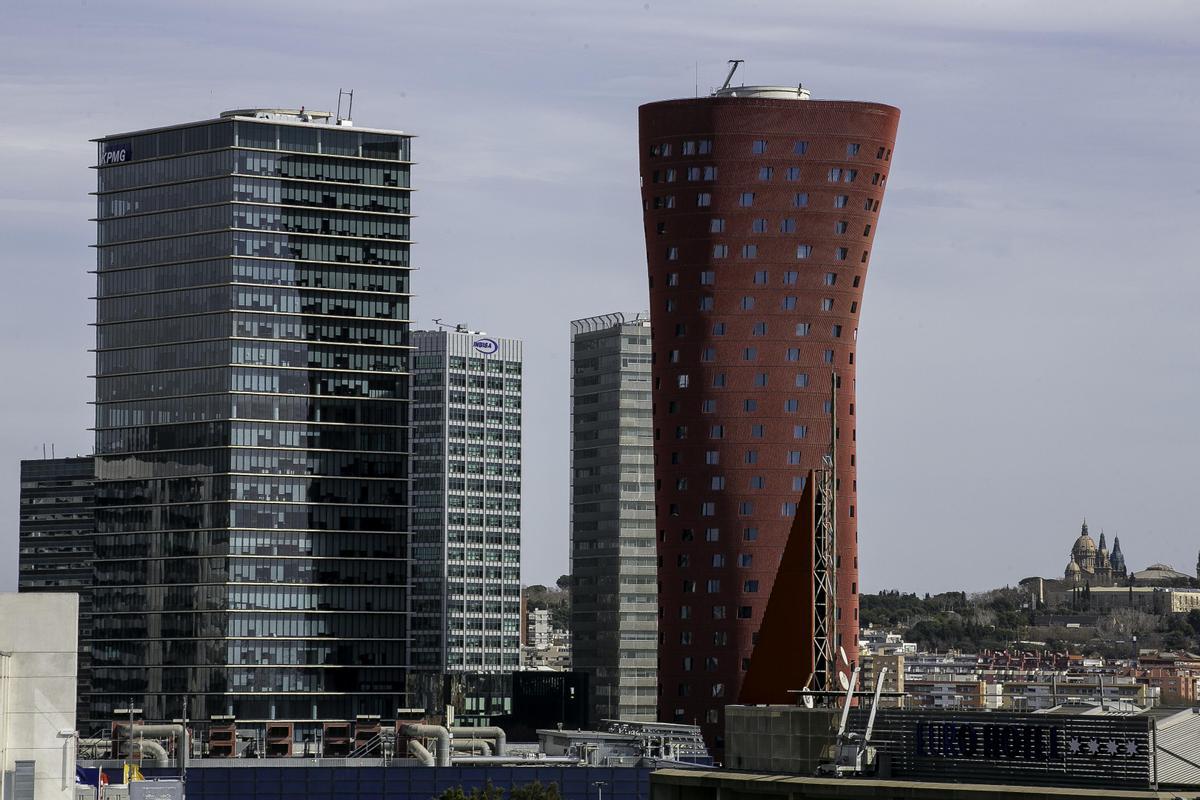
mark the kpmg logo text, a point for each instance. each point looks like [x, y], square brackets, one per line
[486, 346]
[116, 153]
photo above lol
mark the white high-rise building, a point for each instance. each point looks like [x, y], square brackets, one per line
[614, 599]
[466, 502]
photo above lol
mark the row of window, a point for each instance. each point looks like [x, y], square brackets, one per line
[278, 299]
[761, 278]
[750, 251]
[249, 270]
[251, 407]
[746, 200]
[244, 243]
[749, 302]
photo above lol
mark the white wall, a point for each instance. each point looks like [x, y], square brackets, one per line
[37, 689]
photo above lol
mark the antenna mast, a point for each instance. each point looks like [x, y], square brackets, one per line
[349, 108]
[732, 69]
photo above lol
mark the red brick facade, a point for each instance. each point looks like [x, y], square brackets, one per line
[759, 218]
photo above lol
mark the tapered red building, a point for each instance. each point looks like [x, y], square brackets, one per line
[760, 209]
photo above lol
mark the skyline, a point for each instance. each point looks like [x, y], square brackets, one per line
[991, 221]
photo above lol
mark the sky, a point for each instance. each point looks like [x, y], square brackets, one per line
[1029, 350]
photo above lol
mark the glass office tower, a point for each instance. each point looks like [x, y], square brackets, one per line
[252, 343]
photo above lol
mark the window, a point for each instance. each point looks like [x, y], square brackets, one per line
[759, 226]
[672, 254]
[750, 404]
[708, 509]
[760, 379]
[710, 173]
[800, 148]
[712, 457]
[760, 277]
[681, 433]
[689, 148]
[798, 483]
[718, 329]
[759, 146]
[828, 356]
[717, 483]
[792, 174]
[788, 303]
[789, 278]
[759, 329]
[750, 534]
[840, 201]
[719, 379]
[749, 354]
[766, 173]
[713, 585]
[793, 354]
[716, 225]
[757, 431]
[712, 534]
[720, 250]
[751, 456]
[705, 146]
[687, 667]
[693, 173]
[802, 328]
[706, 304]
[787, 226]
[758, 482]
[749, 251]
[747, 303]
[803, 250]
[799, 431]
[835, 174]
[851, 150]
[670, 176]
[708, 406]
[708, 278]
[670, 304]
[746, 508]
[866, 232]
[793, 457]
[718, 560]
[716, 432]
[830, 278]
[840, 226]
[683, 381]
[718, 612]
[791, 406]
[827, 304]
[745, 612]
[746, 200]
[801, 380]
[841, 253]
[685, 612]
[681, 560]
[685, 637]
[703, 199]
[689, 586]
[836, 331]
[867, 205]
[800, 199]
[708, 354]
[751, 587]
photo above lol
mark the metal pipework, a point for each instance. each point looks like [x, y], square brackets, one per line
[484, 746]
[178, 732]
[481, 760]
[442, 735]
[497, 735]
[150, 749]
[421, 753]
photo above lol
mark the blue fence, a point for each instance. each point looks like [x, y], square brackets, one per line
[407, 783]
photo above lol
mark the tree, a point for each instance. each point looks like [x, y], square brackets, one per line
[535, 791]
[563, 582]
[486, 792]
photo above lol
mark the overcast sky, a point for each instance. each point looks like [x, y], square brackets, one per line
[1029, 347]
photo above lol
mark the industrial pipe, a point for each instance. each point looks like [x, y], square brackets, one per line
[179, 732]
[148, 748]
[495, 734]
[421, 753]
[472, 744]
[431, 732]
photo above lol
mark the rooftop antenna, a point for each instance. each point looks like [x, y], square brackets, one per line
[732, 69]
[349, 108]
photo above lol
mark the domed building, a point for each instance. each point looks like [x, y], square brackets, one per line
[1092, 564]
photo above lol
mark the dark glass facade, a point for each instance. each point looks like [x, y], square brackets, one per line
[252, 436]
[57, 525]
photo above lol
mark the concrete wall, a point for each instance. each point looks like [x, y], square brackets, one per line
[37, 690]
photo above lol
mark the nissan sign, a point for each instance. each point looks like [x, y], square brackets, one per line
[486, 346]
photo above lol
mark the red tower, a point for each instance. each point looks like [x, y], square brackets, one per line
[760, 207]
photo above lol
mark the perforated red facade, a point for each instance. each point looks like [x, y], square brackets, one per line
[760, 215]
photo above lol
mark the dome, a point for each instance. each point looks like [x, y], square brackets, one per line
[1073, 567]
[1084, 547]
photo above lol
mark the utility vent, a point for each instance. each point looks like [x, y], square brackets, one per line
[23, 780]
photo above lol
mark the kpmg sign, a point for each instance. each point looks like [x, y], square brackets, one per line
[486, 346]
[116, 153]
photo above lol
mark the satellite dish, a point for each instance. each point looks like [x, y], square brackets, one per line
[844, 681]
[807, 699]
[842, 654]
